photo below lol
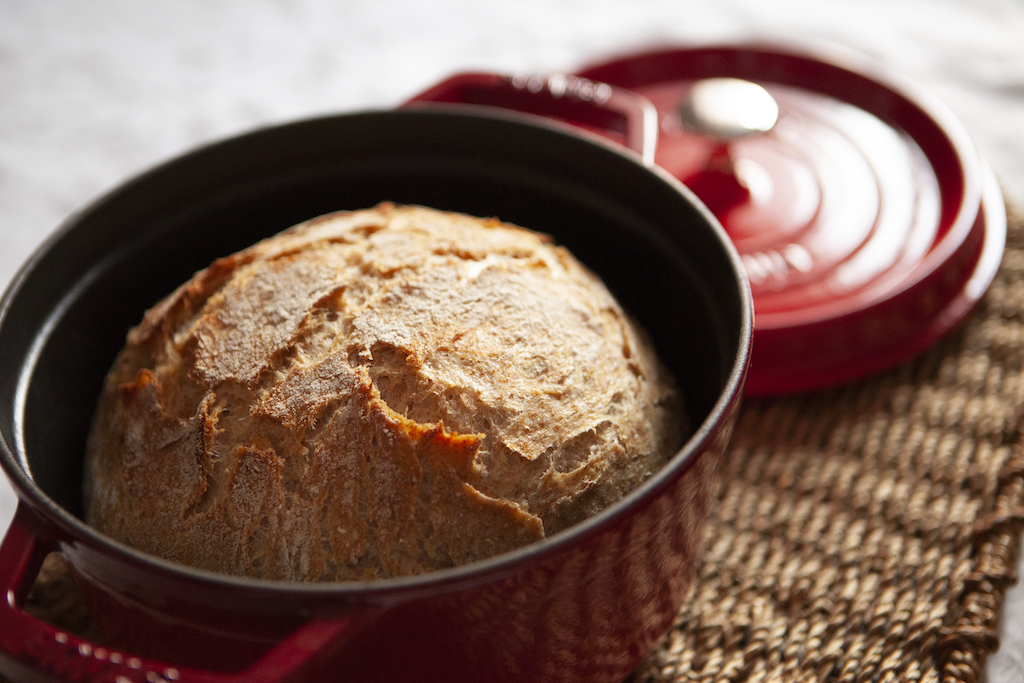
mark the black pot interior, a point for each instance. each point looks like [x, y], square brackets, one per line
[66, 317]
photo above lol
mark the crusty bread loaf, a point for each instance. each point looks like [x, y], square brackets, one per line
[375, 393]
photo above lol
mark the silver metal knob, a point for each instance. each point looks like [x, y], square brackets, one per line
[728, 109]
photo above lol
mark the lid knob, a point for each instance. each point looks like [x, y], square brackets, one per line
[724, 110]
[728, 108]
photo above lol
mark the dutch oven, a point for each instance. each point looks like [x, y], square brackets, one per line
[585, 604]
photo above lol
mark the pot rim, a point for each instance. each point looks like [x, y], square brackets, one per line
[76, 535]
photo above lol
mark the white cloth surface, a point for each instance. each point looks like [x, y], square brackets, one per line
[94, 92]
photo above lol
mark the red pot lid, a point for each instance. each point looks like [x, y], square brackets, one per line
[868, 224]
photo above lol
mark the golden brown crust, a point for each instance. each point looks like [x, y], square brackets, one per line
[375, 393]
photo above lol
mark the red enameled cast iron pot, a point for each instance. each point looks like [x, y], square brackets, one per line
[585, 605]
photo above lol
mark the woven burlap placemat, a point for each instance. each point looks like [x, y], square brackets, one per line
[866, 533]
[869, 533]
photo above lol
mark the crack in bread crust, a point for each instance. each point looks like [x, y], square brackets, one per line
[376, 393]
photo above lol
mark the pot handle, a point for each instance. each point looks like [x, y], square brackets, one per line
[34, 650]
[617, 113]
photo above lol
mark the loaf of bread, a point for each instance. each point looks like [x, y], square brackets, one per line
[372, 394]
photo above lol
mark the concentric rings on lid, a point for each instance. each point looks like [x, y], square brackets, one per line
[867, 222]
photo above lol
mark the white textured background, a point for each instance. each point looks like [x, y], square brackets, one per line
[94, 91]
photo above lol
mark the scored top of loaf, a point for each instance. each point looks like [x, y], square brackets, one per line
[375, 393]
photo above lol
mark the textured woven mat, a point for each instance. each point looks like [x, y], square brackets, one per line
[866, 533]
[869, 533]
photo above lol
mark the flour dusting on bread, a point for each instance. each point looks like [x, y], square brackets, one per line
[376, 393]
